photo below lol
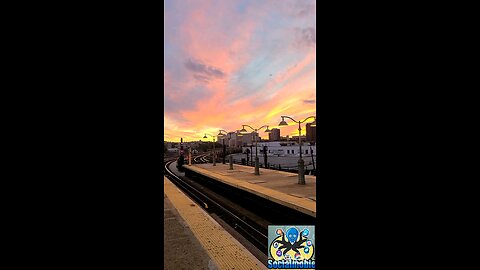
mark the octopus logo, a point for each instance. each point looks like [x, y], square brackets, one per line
[291, 247]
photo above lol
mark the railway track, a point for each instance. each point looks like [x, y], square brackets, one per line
[248, 216]
[201, 159]
[254, 232]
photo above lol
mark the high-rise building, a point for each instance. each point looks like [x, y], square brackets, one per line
[234, 139]
[249, 138]
[274, 135]
[311, 133]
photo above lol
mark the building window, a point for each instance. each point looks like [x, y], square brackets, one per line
[293, 152]
[288, 151]
[306, 151]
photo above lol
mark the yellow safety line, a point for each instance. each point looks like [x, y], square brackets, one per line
[226, 252]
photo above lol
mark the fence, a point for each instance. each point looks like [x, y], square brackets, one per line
[292, 169]
[278, 167]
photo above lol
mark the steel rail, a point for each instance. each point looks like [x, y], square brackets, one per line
[239, 223]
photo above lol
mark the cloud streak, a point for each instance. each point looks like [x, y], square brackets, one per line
[307, 36]
[203, 72]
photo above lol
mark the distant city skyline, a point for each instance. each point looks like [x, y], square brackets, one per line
[237, 62]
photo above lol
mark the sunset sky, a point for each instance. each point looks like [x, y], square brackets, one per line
[234, 62]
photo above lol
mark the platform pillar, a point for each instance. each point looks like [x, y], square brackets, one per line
[301, 172]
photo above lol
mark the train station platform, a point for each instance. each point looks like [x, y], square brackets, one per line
[277, 186]
[194, 240]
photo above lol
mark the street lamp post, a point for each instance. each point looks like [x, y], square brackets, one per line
[265, 156]
[243, 130]
[301, 169]
[313, 161]
[213, 154]
[190, 156]
[223, 141]
[251, 153]
[224, 150]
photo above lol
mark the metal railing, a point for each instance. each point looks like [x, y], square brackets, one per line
[278, 167]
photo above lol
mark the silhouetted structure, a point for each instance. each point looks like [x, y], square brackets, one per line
[274, 135]
[249, 138]
[311, 133]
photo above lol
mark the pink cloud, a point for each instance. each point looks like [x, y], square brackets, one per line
[218, 45]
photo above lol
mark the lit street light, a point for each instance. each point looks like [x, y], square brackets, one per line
[301, 169]
[243, 130]
[213, 154]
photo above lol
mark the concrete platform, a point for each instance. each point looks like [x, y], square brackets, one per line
[181, 249]
[193, 240]
[280, 187]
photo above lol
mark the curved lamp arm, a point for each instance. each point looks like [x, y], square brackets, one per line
[243, 127]
[314, 117]
[284, 116]
[209, 135]
[220, 132]
[298, 122]
[255, 129]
